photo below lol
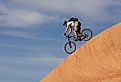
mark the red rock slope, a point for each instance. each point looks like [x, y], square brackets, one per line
[98, 60]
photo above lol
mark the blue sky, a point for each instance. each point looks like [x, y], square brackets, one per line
[31, 33]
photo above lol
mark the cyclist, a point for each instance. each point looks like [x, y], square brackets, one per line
[72, 24]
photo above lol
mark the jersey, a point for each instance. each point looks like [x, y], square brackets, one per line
[71, 23]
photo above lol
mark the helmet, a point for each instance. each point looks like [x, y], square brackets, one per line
[65, 22]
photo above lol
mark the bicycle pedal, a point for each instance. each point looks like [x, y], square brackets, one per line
[75, 39]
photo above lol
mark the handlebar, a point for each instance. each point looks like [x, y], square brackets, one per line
[69, 36]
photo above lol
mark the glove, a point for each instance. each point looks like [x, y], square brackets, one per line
[65, 34]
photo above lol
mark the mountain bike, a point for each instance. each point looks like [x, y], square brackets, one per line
[70, 46]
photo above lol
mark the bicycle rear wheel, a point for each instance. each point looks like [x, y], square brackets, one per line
[87, 33]
[70, 47]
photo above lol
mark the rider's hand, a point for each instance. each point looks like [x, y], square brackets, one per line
[65, 34]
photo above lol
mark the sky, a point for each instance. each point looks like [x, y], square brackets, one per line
[31, 33]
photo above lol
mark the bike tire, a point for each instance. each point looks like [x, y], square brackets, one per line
[88, 32]
[68, 49]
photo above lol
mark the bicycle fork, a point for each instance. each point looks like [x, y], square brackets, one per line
[70, 44]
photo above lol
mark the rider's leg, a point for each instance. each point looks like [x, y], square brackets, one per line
[76, 29]
[76, 34]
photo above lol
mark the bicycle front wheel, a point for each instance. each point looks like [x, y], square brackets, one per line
[70, 47]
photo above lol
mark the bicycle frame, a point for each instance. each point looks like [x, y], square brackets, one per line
[69, 38]
[70, 46]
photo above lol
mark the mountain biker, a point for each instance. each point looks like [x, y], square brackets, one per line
[72, 24]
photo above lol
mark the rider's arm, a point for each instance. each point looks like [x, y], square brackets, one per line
[67, 27]
[70, 31]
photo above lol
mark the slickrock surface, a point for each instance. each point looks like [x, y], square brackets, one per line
[98, 60]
